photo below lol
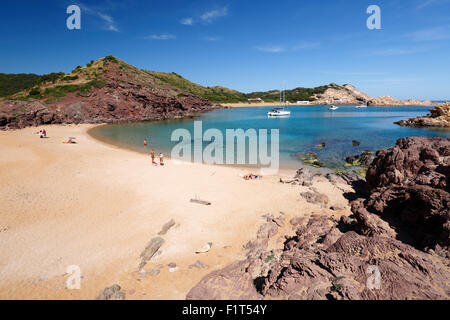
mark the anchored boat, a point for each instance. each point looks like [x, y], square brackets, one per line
[278, 112]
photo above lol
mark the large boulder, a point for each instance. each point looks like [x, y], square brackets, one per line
[409, 183]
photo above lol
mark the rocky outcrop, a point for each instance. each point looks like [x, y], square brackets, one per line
[390, 101]
[341, 94]
[438, 117]
[126, 94]
[394, 246]
[320, 262]
[349, 95]
[364, 159]
[410, 184]
[20, 114]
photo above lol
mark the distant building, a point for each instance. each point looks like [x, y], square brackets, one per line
[302, 102]
[256, 99]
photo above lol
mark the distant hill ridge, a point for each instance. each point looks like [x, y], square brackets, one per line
[19, 86]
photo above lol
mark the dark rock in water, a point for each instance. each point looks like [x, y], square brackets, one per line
[311, 156]
[150, 250]
[356, 143]
[438, 117]
[112, 293]
[363, 159]
[321, 145]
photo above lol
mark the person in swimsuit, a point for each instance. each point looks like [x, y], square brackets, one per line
[153, 156]
[161, 159]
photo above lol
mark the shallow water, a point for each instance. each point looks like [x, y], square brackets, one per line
[307, 127]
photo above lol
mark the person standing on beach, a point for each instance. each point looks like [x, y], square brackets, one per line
[145, 142]
[153, 156]
[161, 159]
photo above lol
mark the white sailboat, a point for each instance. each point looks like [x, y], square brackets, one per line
[362, 106]
[280, 112]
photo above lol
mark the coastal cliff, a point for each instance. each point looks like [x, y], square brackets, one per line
[399, 228]
[340, 94]
[390, 101]
[349, 95]
[107, 90]
[438, 117]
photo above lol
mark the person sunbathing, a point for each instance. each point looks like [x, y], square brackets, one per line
[70, 141]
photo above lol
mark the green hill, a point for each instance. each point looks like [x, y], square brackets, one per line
[13, 83]
[297, 94]
[214, 94]
[26, 86]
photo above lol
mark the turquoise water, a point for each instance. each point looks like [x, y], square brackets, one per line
[307, 127]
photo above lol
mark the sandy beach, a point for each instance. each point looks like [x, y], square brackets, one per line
[97, 206]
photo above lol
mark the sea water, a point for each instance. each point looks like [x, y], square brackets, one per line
[300, 133]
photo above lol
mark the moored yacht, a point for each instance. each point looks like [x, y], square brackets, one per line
[333, 108]
[278, 112]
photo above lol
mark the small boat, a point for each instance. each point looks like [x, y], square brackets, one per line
[333, 108]
[278, 112]
[361, 106]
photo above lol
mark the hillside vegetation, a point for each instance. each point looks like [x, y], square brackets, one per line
[13, 83]
[51, 87]
[214, 94]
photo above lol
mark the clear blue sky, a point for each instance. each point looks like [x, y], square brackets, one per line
[244, 45]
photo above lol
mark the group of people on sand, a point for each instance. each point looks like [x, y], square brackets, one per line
[152, 154]
[43, 133]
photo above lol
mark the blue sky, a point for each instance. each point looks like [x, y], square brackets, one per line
[244, 45]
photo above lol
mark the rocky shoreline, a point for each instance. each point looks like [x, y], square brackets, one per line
[399, 231]
[349, 95]
[438, 117]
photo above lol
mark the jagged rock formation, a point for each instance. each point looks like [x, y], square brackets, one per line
[320, 262]
[399, 232]
[107, 90]
[411, 183]
[349, 95]
[438, 117]
[341, 94]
